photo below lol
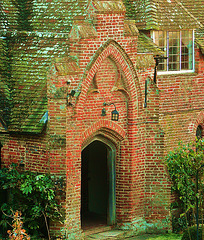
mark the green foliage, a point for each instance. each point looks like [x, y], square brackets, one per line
[31, 193]
[193, 232]
[183, 164]
[168, 236]
[178, 224]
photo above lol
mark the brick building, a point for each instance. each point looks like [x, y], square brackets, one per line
[61, 61]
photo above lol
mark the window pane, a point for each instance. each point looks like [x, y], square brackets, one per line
[186, 50]
[178, 47]
[174, 51]
[160, 40]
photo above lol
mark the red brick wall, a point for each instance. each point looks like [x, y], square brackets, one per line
[28, 150]
[108, 75]
[181, 104]
[141, 137]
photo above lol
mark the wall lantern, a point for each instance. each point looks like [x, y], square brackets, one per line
[114, 113]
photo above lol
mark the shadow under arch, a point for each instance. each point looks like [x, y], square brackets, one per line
[98, 181]
[112, 49]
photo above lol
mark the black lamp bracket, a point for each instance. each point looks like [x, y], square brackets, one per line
[73, 94]
[157, 58]
[108, 104]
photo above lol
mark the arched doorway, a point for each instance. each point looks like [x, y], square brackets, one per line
[98, 184]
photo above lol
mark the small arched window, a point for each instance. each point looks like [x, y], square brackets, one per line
[199, 132]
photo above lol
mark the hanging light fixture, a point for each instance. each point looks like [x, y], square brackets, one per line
[114, 113]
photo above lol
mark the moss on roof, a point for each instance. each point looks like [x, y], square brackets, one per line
[195, 7]
[56, 15]
[31, 61]
[146, 45]
[160, 14]
[200, 39]
[5, 104]
[32, 52]
[105, 6]
[32, 37]
[3, 58]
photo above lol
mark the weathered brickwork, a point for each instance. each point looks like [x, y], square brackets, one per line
[181, 105]
[108, 75]
[100, 62]
[28, 151]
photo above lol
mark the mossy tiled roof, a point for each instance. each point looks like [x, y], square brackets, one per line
[200, 39]
[56, 15]
[31, 61]
[195, 7]
[146, 45]
[33, 50]
[50, 16]
[130, 28]
[108, 6]
[41, 34]
[160, 14]
[5, 104]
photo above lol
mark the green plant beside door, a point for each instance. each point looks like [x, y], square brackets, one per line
[185, 167]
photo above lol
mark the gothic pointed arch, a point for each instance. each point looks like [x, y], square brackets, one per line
[111, 49]
[106, 128]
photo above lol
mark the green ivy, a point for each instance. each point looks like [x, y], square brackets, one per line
[34, 194]
[183, 164]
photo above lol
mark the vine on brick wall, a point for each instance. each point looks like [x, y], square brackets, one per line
[183, 164]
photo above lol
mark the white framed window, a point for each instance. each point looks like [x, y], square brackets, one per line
[179, 50]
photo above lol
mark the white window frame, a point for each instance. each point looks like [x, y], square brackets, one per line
[180, 71]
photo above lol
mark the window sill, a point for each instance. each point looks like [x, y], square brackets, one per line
[175, 72]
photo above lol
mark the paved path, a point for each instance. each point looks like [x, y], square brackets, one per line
[121, 235]
[118, 234]
[143, 237]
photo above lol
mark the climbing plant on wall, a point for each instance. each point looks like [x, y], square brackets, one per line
[183, 164]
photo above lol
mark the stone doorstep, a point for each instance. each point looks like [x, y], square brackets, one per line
[112, 234]
[94, 230]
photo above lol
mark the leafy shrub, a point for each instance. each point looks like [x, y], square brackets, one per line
[178, 224]
[193, 232]
[34, 195]
[185, 165]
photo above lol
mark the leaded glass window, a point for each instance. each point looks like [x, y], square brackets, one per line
[178, 47]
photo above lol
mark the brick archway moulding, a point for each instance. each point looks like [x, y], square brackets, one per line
[199, 121]
[112, 49]
[104, 127]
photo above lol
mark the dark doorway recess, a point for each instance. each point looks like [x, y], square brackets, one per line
[94, 185]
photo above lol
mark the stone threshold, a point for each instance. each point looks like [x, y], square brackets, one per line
[105, 233]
